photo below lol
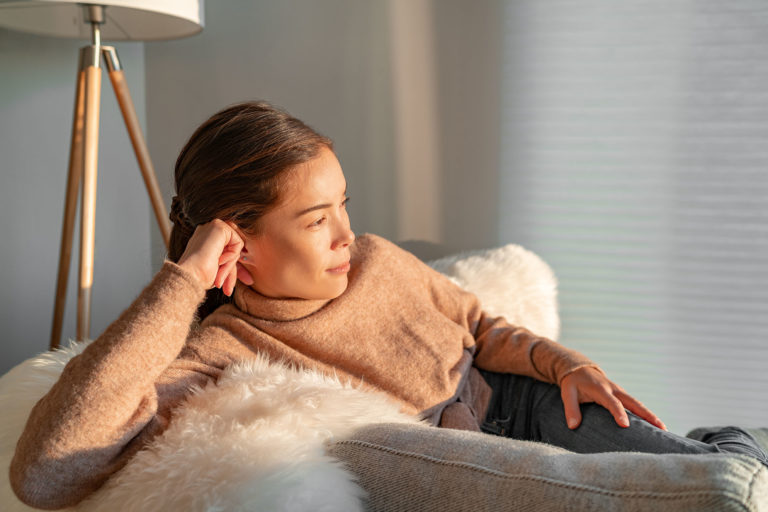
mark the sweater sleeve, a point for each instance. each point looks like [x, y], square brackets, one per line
[500, 346]
[105, 403]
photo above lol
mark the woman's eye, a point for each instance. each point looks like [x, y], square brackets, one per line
[317, 222]
[344, 202]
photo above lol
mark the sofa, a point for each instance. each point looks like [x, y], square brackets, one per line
[267, 437]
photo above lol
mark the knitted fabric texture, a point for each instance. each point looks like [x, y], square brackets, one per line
[400, 327]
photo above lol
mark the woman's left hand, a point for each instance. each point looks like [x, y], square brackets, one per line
[589, 384]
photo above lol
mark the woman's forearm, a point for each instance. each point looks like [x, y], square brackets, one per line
[81, 430]
[502, 347]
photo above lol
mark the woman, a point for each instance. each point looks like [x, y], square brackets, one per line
[262, 254]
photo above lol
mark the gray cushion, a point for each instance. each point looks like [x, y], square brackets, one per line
[761, 434]
[407, 468]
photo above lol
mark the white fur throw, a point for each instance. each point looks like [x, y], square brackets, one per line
[254, 440]
[510, 281]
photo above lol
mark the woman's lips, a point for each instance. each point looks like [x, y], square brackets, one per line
[341, 269]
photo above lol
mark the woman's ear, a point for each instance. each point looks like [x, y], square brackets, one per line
[243, 274]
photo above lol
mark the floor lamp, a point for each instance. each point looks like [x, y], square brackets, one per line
[134, 20]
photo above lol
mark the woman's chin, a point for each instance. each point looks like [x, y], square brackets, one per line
[340, 287]
[336, 287]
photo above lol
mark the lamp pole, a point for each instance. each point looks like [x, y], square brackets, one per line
[83, 163]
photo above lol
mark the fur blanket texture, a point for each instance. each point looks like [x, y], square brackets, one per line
[255, 439]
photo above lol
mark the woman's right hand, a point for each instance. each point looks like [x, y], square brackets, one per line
[212, 255]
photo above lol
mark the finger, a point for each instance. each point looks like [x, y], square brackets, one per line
[230, 281]
[235, 246]
[233, 227]
[232, 247]
[235, 236]
[570, 397]
[228, 257]
[222, 273]
[615, 407]
[218, 281]
[636, 407]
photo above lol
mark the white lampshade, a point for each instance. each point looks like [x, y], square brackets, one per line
[125, 20]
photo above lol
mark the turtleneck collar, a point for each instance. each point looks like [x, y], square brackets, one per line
[282, 310]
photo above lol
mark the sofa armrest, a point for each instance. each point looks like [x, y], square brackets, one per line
[761, 434]
[396, 465]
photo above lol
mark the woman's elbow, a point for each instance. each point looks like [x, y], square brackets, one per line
[42, 486]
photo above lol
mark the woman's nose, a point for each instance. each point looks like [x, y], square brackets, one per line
[344, 238]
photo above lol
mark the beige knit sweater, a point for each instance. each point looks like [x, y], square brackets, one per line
[399, 327]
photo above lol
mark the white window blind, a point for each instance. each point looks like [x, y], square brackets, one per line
[635, 162]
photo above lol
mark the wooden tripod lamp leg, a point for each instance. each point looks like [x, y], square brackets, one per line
[117, 77]
[88, 214]
[70, 205]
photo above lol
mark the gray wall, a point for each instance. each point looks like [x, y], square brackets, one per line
[37, 91]
[334, 65]
[469, 61]
[344, 66]
[325, 62]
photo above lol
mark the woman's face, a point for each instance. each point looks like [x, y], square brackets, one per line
[302, 250]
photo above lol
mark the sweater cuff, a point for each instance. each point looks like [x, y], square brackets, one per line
[554, 361]
[578, 367]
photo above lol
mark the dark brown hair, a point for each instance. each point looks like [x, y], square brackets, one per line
[232, 168]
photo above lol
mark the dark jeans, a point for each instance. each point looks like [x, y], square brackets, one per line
[528, 409]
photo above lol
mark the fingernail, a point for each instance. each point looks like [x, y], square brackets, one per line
[624, 422]
[572, 422]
